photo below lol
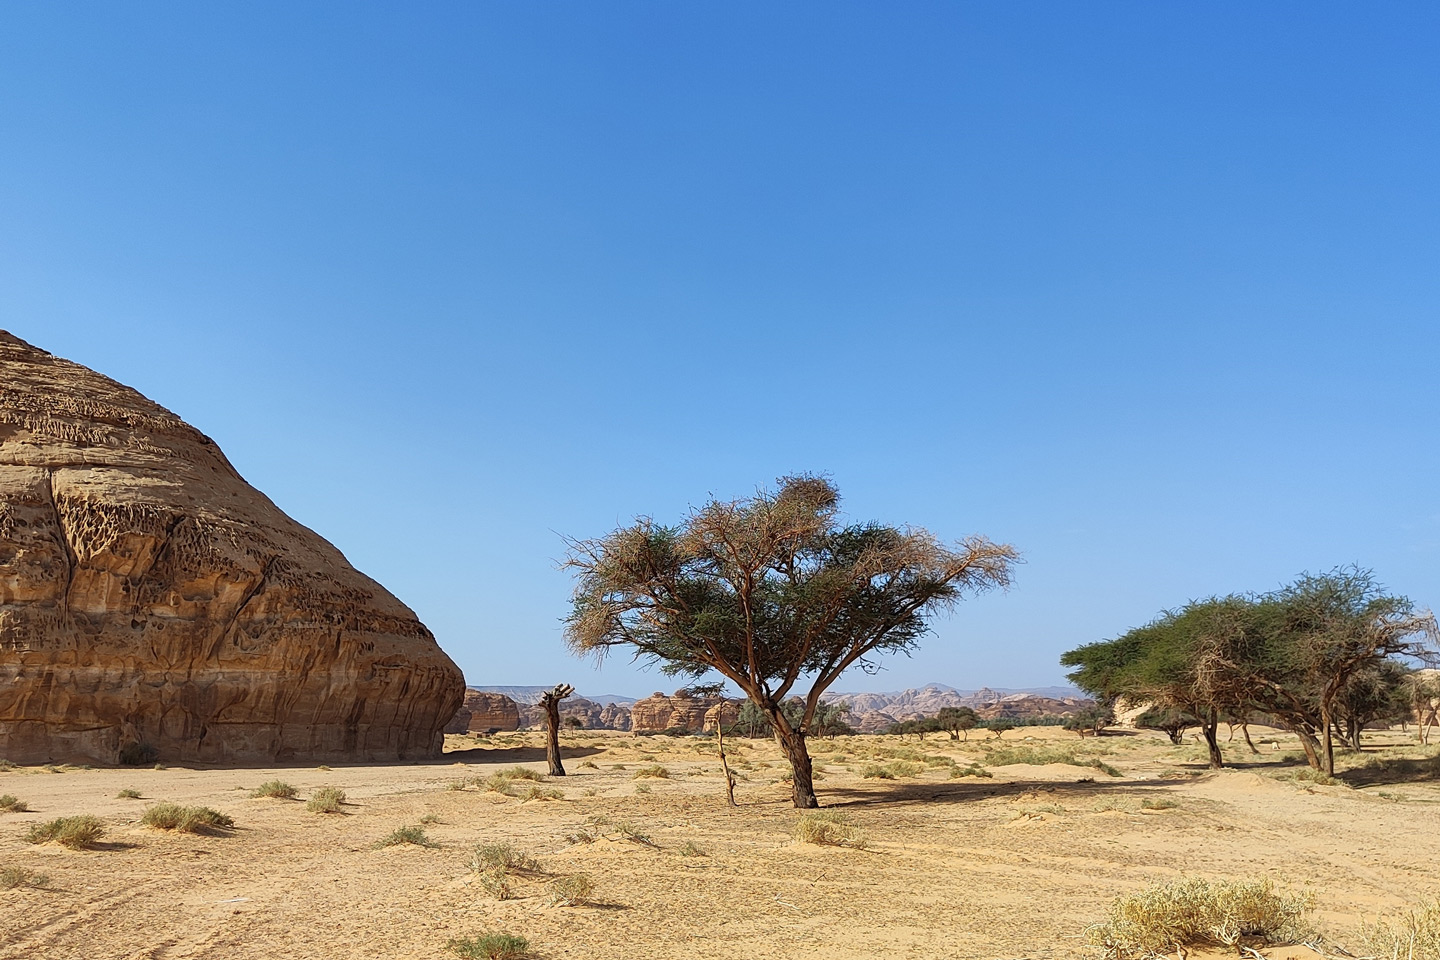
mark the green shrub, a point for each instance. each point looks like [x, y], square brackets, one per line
[1414, 935]
[537, 792]
[827, 828]
[973, 770]
[10, 804]
[128, 794]
[172, 816]
[78, 833]
[12, 877]
[326, 800]
[412, 835]
[654, 770]
[1194, 912]
[522, 773]
[492, 946]
[278, 789]
[571, 890]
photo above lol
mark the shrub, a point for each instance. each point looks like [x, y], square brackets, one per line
[522, 773]
[278, 789]
[654, 770]
[537, 792]
[691, 849]
[634, 834]
[497, 884]
[172, 816]
[589, 765]
[12, 877]
[326, 800]
[1196, 912]
[571, 890]
[128, 794]
[492, 946]
[138, 755]
[413, 835]
[78, 833]
[10, 804]
[501, 856]
[973, 770]
[828, 829]
[1414, 935]
[1162, 803]
[643, 788]
[6, 766]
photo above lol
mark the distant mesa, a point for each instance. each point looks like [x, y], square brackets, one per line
[154, 605]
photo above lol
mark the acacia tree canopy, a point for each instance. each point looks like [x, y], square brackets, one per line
[773, 593]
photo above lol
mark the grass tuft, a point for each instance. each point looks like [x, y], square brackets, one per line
[1161, 803]
[570, 891]
[10, 804]
[691, 849]
[1194, 912]
[829, 829]
[326, 800]
[654, 770]
[502, 856]
[172, 816]
[128, 794]
[278, 789]
[537, 792]
[491, 946]
[1414, 935]
[12, 877]
[78, 833]
[402, 835]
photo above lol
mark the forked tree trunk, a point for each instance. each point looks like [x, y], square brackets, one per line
[1310, 745]
[1245, 729]
[724, 762]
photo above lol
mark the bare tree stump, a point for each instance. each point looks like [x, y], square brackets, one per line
[551, 702]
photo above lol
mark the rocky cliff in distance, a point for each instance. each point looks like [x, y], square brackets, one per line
[151, 598]
[485, 713]
[679, 712]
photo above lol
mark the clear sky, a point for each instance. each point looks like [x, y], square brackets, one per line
[1148, 290]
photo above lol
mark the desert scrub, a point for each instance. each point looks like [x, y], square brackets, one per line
[1159, 803]
[12, 877]
[690, 849]
[1194, 912]
[973, 770]
[403, 835]
[571, 890]
[278, 789]
[501, 856]
[128, 794]
[11, 804]
[589, 765]
[892, 770]
[829, 829]
[172, 816]
[537, 792]
[1309, 775]
[326, 800]
[654, 770]
[78, 833]
[491, 946]
[1414, 935]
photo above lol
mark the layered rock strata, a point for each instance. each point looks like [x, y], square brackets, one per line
[679, 712]
[592, 716]
[153, 602]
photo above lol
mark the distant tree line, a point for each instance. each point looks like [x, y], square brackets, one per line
[1322, 657]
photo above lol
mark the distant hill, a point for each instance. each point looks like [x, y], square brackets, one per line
[522, 694]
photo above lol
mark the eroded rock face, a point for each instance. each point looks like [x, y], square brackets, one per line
[149, 595]
[592, 716]
[680, 712]
[490, 712]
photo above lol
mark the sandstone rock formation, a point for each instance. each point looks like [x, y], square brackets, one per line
[150, 597]
[486, 713]
[725, 712]
[680, 712]
[592, 716]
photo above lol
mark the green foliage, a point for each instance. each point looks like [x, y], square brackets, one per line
[892, 770]
[404, 835]
[172, 816]
[502, 856]
[491, 946]
[971, 770]
[999, 725]
[326, 800]
[957, 721]
[1090, 720]
[12, 877]
[10, 804]
[78, 833]
[1195, 912]
[277, 789]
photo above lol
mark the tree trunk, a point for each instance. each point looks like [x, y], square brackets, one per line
[552, 739]
[1211, 729]
[1245, 729]
[792, 742]
[1177, 735]
[724, 763]
[1310, 745]
[1327, 745]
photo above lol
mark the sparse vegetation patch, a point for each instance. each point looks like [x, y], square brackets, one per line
[828, 828]
[491, 946]
[1194, 912]
[1414, 935]
[326, 800]
[10, 804]
[278, 789]
[78, 833]
[12, 877]
[172, 816]
[404, 835]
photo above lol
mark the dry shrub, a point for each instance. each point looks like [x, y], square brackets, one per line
[829, 829]
[1161, 803]
[522, 773]
[570, 891]
[78, 833]
[278, 789]
[691, 849]
[12, 877]
[128, 794]
[172, 816]
[1414, 935]
[501, 856]
[411, 835]
[491, 946]
[973, 770]
[1193, 912]
[654, 770]
[326, 800]
[10, 804]
[537, 792]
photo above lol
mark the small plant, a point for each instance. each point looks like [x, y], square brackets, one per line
[491, 946]
[10, 804]
[6, 766]
[278, 789]
[873, 771]
[128, 794]
[411, 835]
[1414, 935]
[634, 834]
[643, 788]
[172, 816]
[522, 773]
[829, 829]
[654, 770]
[78, 833]
[430, 818]
[973, 770]
[497, 884]
[570, 891]
[12, 877]
[323, 767]
[691, 849]
[138, 755]
[1196, 912]
[537, 792]
[503, 856]
[326, 800]
[588, 765]
[458, 785]
[1158, 803]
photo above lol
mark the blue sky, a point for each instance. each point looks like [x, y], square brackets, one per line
[1149, 291]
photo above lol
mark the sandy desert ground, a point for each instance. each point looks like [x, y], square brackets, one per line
[1015, 865]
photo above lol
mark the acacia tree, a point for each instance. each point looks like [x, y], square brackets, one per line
[770, 592]
[957, 721]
